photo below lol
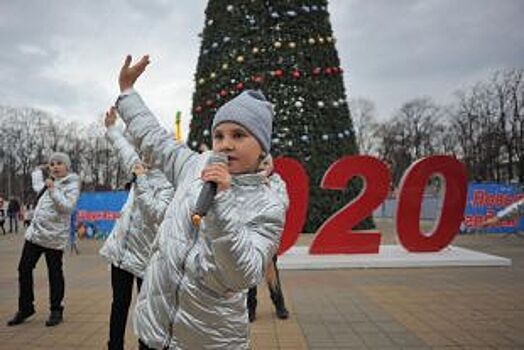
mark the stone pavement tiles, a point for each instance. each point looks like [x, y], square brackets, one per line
[87, 305]
[417, 308]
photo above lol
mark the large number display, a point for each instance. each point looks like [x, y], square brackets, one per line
[336, 235]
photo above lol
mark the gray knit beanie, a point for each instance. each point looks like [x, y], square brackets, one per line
[61, 157]
[253, 111]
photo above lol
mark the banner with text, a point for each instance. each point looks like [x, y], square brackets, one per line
[97, 212]
[485, 200]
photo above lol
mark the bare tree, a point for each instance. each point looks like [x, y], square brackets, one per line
[488, 123]
[365, 125]
[30, 135]
[414, 132]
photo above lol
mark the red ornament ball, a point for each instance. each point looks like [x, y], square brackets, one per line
[278, 73]
[257, 79]
[296, 74]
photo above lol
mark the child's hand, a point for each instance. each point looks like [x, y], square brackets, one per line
[49, 183]
[110, 118]
[219, 174]
[129, 74]
[139, 169]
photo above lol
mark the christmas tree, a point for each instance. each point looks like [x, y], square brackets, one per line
[285, 48]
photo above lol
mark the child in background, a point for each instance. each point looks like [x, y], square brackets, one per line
[48, 234]
[194, 291]
[129, 246]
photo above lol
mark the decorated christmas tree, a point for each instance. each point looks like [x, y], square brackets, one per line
[285, 48]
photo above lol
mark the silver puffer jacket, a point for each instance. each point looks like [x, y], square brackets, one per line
[194, 291]
[129, 245]
[52, 219]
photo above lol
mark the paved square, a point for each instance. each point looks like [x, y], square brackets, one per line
[393, 308]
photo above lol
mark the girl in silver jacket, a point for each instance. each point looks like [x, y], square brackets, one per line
[194, 291]
[129, 246]
[48, 234]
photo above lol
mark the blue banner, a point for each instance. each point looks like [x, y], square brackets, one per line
[485, 200]
[96, 213]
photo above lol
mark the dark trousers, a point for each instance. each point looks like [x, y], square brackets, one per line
[122, 284]
[2, 226]
[275, 292]
[12, 218]
[142, 346]
[30, 255]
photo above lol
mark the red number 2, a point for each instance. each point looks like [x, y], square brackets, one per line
[335, 235]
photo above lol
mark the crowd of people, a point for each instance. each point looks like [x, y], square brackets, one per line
[196, 275]
[12, 213]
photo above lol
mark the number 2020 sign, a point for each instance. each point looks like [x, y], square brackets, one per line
[335, 235]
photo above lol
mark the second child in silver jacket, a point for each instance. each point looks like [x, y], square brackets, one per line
[194, 290]
[48, 235]
[128, 248]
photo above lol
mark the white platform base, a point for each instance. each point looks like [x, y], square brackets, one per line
[390, 256]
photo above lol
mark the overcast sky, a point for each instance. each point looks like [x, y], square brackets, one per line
[64, 56]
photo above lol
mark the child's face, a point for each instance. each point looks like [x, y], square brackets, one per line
[241, 147]
[57, 169]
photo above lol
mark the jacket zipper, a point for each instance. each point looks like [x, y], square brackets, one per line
[174, 313]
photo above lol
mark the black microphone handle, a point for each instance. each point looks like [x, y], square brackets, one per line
[205, 198]
[40, 194]
[208, 192]
[42, 191]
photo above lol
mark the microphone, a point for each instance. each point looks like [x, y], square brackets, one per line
[41, 192]
[133, 178]
[208, 192]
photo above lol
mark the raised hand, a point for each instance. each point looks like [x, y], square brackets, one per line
[110, 118]
[130, 73]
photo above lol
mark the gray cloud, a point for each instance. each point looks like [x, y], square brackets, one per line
[64, 56]
[397, 50]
